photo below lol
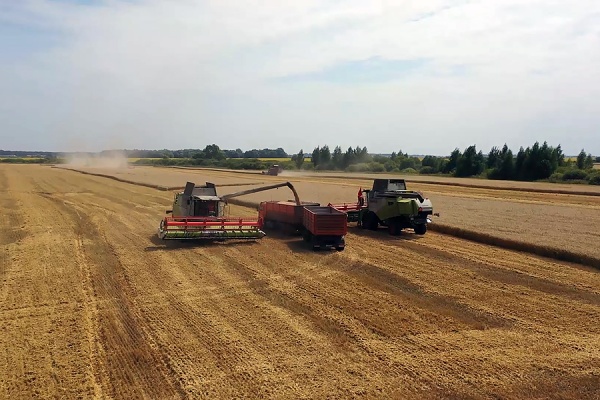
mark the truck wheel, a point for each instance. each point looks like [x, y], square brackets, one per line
[420, 229]
[370, 221]
[394, 228]
[363, 221]
[340, 248]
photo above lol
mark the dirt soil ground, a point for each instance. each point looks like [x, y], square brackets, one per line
[565, 221]
[93, 305]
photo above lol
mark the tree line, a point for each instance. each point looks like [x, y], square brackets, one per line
[536, 162]
[210, 151]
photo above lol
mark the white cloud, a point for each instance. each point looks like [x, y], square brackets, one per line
[153, 73]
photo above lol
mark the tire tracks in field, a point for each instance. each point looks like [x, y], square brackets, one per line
[55, 311]
[95, 349]
[127, 366]
[503, 269]
[332, 302]
[11, 218]
[529, 296]
[225, 267]
[413, 317]
[226, 345]
[267, 284]
[229, 345]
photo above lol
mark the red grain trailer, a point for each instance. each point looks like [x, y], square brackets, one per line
[324, 227]
[283, 215]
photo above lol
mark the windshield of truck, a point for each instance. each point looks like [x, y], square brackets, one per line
[395, 184]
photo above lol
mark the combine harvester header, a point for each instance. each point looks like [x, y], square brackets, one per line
[216, 229]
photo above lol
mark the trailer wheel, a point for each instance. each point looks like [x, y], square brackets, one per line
[306, 236]
[420, 229]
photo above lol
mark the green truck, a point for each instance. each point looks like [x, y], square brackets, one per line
[390, 204]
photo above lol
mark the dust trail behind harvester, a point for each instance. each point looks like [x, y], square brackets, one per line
[107, 160]
[295, 173]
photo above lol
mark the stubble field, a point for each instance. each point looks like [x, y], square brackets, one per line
[93, 305]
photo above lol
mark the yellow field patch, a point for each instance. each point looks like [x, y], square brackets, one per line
[274, 159]
[280, 159]
[134, 159]
[22, 158]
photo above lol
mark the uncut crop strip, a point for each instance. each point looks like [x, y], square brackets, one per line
[475, 186]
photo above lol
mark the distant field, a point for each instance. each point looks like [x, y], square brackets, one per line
[281, 159]
[597, 166]
[274, 159]
[134, 159]
[21, 158]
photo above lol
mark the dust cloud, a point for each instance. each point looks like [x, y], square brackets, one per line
[114, 160]
[293, 173]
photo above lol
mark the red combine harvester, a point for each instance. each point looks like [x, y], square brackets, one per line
[199, 214]
[323, 227]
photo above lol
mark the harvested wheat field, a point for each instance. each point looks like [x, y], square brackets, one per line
[93, 305]
[566, 222]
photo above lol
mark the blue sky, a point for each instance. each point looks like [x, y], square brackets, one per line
[424, 77]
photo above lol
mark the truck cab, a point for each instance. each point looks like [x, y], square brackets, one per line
[396, 188]
[391, 204]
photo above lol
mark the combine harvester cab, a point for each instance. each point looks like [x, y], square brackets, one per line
[198, 213]
[273, 170]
